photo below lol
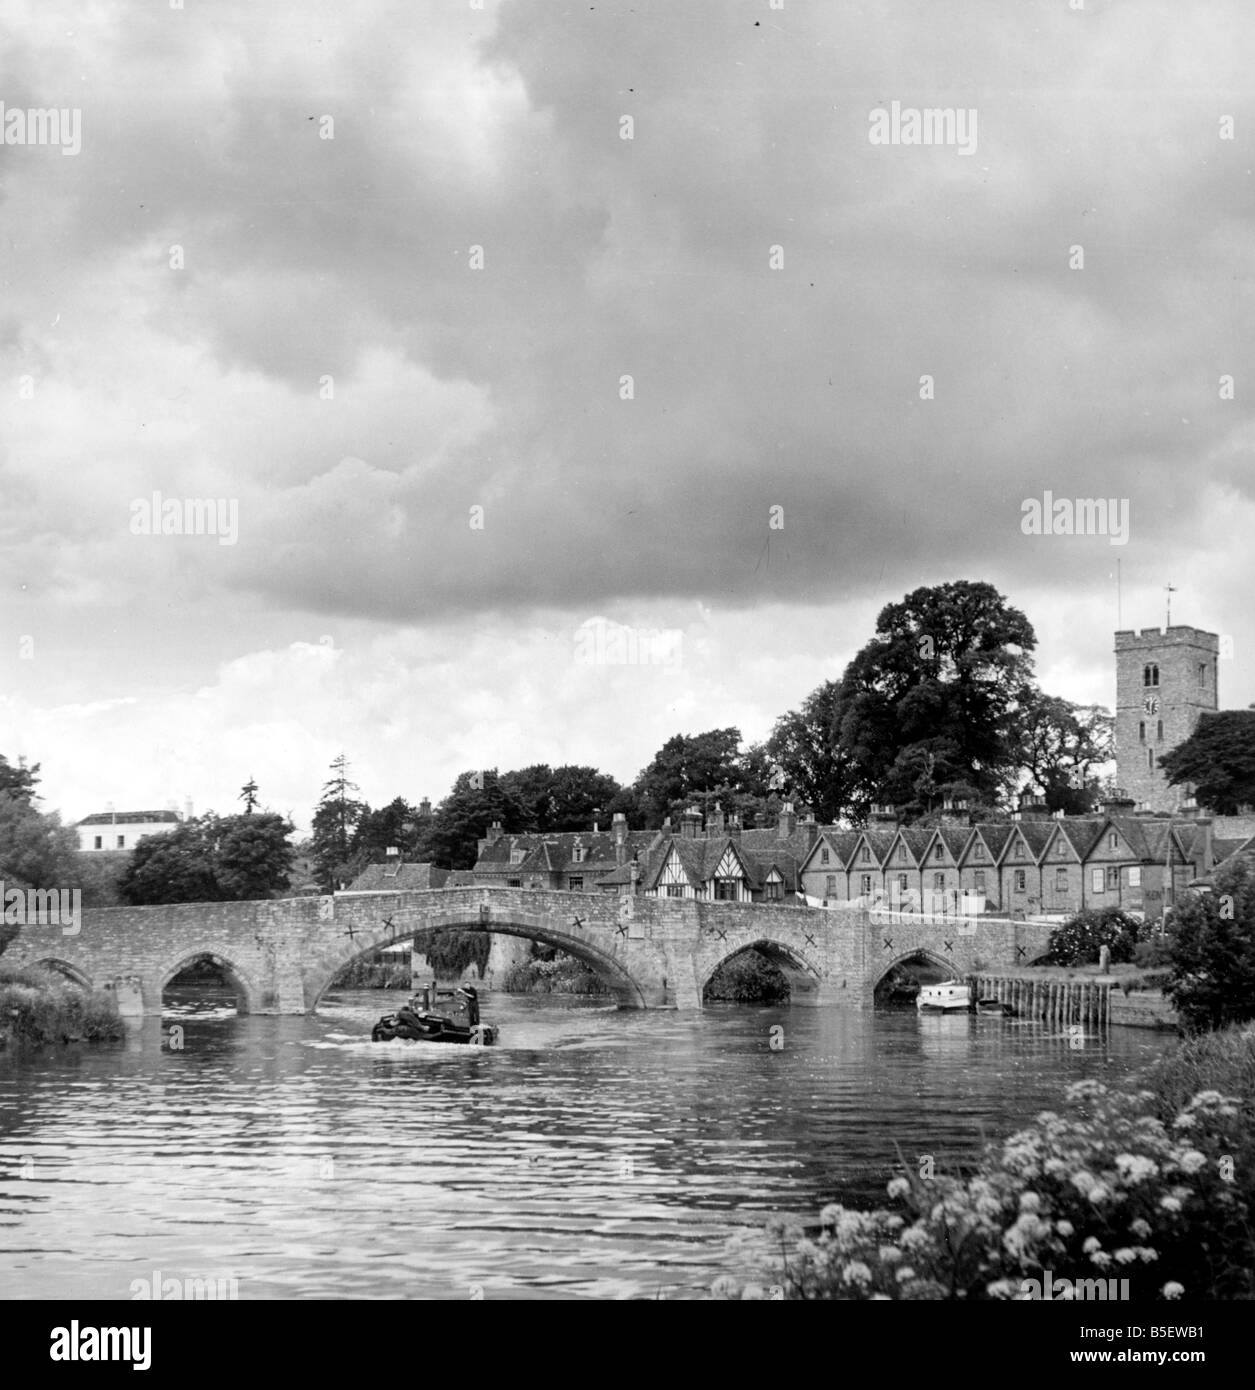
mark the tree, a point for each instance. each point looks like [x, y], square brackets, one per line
[19, 782]
[1219, 759]
[248, 795]
[396, 825]
[252, 856]
[463, 817]
[692, 768]
[1212, 944]
[1061, 747]
[562, 798]
[176, 866]
[335, 819]
[814, 765]
[935, 696]
[1080, 939]
[36, 850]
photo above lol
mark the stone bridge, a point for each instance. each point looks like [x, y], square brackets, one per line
[281, 956]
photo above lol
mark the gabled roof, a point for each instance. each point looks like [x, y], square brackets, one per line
[993, 835]
[955, 838]
[1080, 835]
[402, 878]
[879, 841]
[840, 844]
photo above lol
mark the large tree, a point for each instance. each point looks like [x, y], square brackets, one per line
[570, 797]
[36, 850]
[1062, 746]
[334, 822]
[1212, 945]
[814, 766]
[19, 782]
[935, 696]
[252, 855]
[463, 817]
[211, 859]
[1219, 759]
[697, 769]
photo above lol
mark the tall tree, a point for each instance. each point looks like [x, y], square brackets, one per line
[1062, 747]
[176, 866]
[396, 825]
[561, 798]
[252, 855]
[935, 696]
[692, 768]
[1212, 947]
[814, 766]
[334, 821]
[463, 817]
[19, 782]
[248, 795]
[1219, 759]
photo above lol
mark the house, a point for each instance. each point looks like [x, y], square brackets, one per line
[395, 876]
[574, 861]
[122, 830]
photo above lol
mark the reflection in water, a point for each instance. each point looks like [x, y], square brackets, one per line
[593, 1153]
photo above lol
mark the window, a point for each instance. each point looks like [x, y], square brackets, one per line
[773, 892]
[577, 854]
[1141, 731]
[1113, 877]
[939, 850]
[979, 851]
[675, 890]
[575, 884]
[1135, 876]
[939, 883]
[865, 885]
[1061, 880]
[902, 883]
[517, 856]
[1150, 758]
[1021, 881]
[121, 841]
[1150, 674]
[865, 855]
[1202, 674]
[901, 854]
[1113, 841]
[514, 883]
[823, 856]
[1159, 735]
[100, 842]
[1096, 881]
[725, 889]
[830, 886]
[980, 880]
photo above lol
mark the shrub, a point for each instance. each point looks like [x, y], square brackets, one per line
[1115, 1190]
[1212, 939]
[38, 1007]
[1079, 939]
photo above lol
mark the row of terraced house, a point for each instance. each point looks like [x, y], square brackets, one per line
[1034, 864]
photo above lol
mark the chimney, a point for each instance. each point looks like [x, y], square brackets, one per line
[187, 808]
[883, 816]
[954, 811]
[734, 827]
[1118, 804]
[424, 809]
[715, 821]
[619, 829]
[1188, 809]
[667, 828]
[494, 833]
[787, 824]
[810, 831]
[1032, 808]
[635, 874]
[690, 823]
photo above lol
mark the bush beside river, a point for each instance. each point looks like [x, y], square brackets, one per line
[40, 1007]
[1155, 1186]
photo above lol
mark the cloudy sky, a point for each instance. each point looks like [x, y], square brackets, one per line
[470, 370]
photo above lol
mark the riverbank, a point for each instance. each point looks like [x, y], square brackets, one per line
[1149, 1186]
[38, 1007]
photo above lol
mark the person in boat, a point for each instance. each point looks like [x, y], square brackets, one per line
[470, 996]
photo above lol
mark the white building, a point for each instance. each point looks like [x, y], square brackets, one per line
[122, 830]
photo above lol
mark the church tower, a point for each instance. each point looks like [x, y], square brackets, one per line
[1165, 679]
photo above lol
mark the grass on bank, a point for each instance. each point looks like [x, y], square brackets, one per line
[38, 1007]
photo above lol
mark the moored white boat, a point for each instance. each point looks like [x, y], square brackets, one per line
[950, 996]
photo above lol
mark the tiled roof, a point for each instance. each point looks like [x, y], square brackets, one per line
[399, 878]
[1082, 835]
[130, 817]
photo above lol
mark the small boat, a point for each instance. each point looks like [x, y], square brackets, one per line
[419, 1021]
[948, 997]
[994, 1007]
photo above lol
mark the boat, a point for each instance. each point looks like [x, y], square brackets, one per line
[994, 1007]
[421, 1021]
[948, 997]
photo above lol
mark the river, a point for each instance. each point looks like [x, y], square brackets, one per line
[595, 1153]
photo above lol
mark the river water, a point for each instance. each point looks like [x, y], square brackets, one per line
[594, 1153]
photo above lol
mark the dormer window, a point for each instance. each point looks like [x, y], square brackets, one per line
[517, 856]
[577, 854]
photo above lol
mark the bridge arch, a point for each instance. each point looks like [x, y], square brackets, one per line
[613, 974]
[66, 970]
[803, 978]
[245, 991]
[921, 955]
